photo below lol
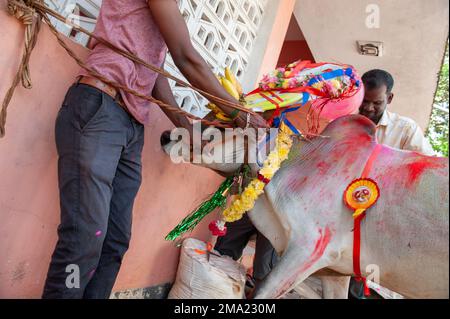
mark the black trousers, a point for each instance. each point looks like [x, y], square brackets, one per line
[237, 237]
[99, 173]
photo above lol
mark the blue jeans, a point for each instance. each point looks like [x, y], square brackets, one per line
[99, 173]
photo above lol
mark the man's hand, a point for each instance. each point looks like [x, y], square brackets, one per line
[173, 28]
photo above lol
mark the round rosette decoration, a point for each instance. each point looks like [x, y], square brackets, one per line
[361, 194]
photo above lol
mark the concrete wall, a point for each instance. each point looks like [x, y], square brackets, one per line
[295, 46]
[414, 34]
[293, 51]
[270, 41]
[29, 207]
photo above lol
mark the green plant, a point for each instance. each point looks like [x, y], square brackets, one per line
[439, 122]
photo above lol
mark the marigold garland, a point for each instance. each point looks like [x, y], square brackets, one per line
[246, 201]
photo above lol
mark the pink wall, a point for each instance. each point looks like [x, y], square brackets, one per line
[29, 210]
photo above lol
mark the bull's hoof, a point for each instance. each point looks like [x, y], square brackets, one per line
[165, 138]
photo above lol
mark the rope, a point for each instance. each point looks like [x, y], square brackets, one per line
[32, 26]
[31, 13]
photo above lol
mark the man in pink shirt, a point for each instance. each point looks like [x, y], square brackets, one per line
[100, 136]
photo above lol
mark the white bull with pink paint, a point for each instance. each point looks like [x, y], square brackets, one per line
[405, 234]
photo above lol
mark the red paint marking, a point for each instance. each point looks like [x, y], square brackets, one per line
[361, 139]
[319, 249]
[371, 160]
[296, 183]
[364, 121]
[416, 169]
[323, 167]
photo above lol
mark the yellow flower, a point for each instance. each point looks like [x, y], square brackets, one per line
[336, 84]
[283, 153]
[246, 201]
[318, 85]
[267, 172]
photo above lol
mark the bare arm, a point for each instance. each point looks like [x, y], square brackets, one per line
[176, 35]
[163, 92]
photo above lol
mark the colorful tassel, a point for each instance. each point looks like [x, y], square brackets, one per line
[216, 200]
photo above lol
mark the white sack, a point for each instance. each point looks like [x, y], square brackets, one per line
[220, 278]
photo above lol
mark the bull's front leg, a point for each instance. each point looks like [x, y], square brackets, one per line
[305, 255]
[335, 287]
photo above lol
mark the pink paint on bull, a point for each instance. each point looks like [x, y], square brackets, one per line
[411, 221]
[295, 184]
[416, 169]
[414, 166]
[319, 248]
[323, 167]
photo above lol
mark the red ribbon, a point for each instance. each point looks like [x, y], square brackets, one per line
[277, 106]
[357, 225]
[357, 252]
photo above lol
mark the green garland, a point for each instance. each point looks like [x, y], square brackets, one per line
[190, 221]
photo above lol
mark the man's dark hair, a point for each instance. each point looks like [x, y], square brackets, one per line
[375, 79]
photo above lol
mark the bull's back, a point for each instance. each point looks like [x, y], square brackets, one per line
[407, 231]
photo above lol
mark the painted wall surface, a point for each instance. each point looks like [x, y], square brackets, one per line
[293, 51]
[414, 33]
[272, 37]
[29, 204]
[295, 46]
